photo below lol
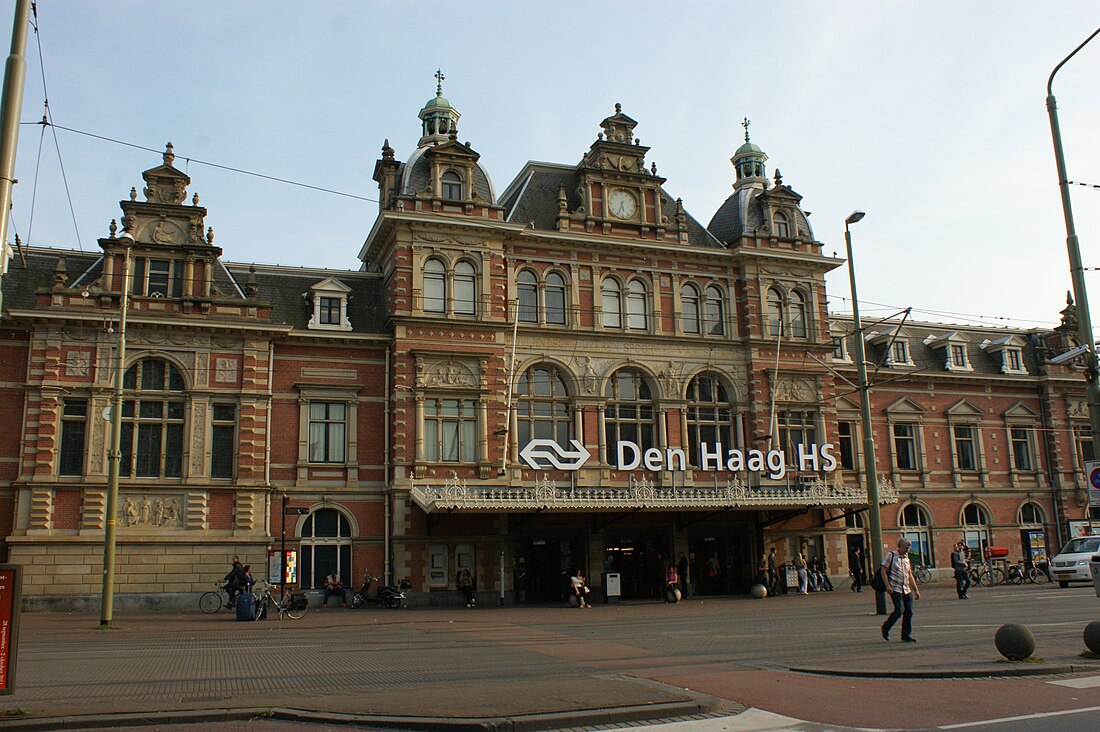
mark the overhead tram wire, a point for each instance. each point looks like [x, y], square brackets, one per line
[47, 121]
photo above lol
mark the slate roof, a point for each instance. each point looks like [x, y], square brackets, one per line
[286, 289]
[21, 284]
[933, 360]
[743, 214]
[416, 173]
[533, 198]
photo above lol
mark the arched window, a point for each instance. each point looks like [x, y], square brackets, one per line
[782, 225]
[637, 306]
[326, 548]
[435, 286]
[152, 420]
[714, 316]
[543, 409]
[452, 186]
[465, 288]
[709, 418]
[689, 304]
[612, 300]
[555, 299]
[527, 288]
[629, 414]
[798, 315]
[775, 312]
[1031, 513]
[976, 525]
[915, 527]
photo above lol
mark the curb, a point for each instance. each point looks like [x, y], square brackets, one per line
[698, 704]
[950, 673]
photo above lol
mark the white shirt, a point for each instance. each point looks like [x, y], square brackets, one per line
[898, 571]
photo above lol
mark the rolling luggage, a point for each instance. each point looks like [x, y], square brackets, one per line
[246, 606]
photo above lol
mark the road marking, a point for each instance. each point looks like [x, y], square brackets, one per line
[1088, 682]
[1002, 720]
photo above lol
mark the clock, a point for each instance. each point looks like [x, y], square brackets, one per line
[622, 204]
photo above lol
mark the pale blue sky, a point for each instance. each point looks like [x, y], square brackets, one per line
[928, 115]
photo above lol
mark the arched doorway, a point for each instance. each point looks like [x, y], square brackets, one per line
[326, 546]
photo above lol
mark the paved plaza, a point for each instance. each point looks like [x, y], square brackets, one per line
[818, 658]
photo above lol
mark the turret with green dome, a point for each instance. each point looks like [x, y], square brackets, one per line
[748, 161]
[439, 117]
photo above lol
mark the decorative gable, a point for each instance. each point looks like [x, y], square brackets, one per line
[905, 407]
[953, 348]
[963, 409]
[1010, 351]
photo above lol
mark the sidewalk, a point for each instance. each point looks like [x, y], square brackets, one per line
[524, 668]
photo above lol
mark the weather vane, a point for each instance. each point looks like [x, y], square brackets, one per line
[439, 77]
[745, 123]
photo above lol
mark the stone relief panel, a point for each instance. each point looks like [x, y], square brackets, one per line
[198, 435]
[77, 363]
[225, 370]
[795, 390]
[448, 373]
[150, 511]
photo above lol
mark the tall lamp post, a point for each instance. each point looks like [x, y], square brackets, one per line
[1084, 318]
[869, 474]
[114, 456]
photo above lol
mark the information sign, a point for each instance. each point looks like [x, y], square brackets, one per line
[11, 598]
[1092, 470]
[274, 564]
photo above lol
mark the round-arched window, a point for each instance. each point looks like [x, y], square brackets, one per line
[709, 417]
[1032, 513]
[555, 299]
[326, 547]
[543, 407]
[435, 286]
[915, 524]
[465, 288]
[976, 531]
[629, 413]
[452, 186]
[152, 420]
[689, 307]
[527, 288]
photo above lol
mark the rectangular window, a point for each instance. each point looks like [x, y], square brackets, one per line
[612, 315]
[796, 428]
[1083, 436]
[159, 275]
[223, 432]
[1021, 449]
[74, 423]
[966, 453]
[958, 356]
[905, 446]
[450, 430]
[555, 305]
[838, 348]
[847, 446]
[1012, 360]
[528, 304]
[899, 352]
[327, 432]
[329, 308]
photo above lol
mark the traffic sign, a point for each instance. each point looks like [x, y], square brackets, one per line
[1092, 470]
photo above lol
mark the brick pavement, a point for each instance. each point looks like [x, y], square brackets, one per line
[647, 659]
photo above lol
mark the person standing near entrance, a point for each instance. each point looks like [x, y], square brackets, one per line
[773, 573]
[960, 564]
[855, 563]
[682, 570]
[713, 569]
[803, 577]
[897, 574]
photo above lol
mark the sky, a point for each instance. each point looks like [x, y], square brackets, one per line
[930, 116]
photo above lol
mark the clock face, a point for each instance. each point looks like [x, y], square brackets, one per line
[622, 204]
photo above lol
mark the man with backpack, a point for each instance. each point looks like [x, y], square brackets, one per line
[897, 574]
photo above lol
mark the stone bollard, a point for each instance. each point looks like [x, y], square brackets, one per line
[1092, 636]
[759, 591]
[1015, 642]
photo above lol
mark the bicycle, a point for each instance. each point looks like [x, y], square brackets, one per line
[1016, 573]
[292, 604]
[214, 600]
[991, 576]
[1038, 575]
[922, 574]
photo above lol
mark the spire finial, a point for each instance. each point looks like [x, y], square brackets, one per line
[745, 123]
[618, 108]
[439, 77]
[169, 156]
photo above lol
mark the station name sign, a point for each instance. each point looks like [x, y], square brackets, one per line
[539, 454]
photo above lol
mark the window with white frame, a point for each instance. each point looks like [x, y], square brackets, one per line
[527, 289]
[899, 353]
[840, 348]
[611, 299]
[906, 451]
[958, 356]
[435, 286]
[450, 430]
[465, 288]
[714, 317]
[629, 414]
[787, 313]
[155, 277]
[329, 299]
[915, 525]
[153, 420]
[451, 291]
[965, 445]
[709, 416]
[689, 309]
[553, 295]
[451, 184]
[1014, 360]
[637, 305]
[782, 224]
[976, 528]
[327, 431]
[1020, 441]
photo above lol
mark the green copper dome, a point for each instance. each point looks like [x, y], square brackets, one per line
[748, 147]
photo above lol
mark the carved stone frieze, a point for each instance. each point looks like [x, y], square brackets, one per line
[1078, 409]
[795, 390]
[462, 241]
[225, 370]
[198, 435]
[449, 373]
[150, 511]
[77, 363]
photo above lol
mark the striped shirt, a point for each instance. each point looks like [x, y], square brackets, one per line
[898, 570]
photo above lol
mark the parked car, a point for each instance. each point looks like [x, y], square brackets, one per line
[1072, 563]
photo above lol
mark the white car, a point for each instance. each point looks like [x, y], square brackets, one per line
[1072, 563]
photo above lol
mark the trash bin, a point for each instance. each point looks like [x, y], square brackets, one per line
[1094, 570]
[612, 586]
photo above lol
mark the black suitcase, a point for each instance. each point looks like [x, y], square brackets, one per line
[246, 606]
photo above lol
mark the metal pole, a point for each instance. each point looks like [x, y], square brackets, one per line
[282, 551]
[11, 105]
[1084, 317]
[869, 474]
[114, 456]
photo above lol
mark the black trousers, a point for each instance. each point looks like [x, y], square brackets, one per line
[962, 582]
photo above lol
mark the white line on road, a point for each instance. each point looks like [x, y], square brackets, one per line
[1002, 720]
[1087, 682]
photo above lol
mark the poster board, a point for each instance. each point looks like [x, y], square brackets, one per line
[274, 566]
[11, 601]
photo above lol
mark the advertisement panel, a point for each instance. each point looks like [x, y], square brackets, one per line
[11, 596]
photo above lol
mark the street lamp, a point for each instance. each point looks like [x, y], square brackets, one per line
[1077, 273]
[869, 474]
[114, 456]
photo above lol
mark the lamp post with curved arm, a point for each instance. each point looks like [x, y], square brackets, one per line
[1077, 273]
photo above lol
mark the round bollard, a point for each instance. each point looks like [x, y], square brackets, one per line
[1015, 642]
[759, 592]
[1092, 636]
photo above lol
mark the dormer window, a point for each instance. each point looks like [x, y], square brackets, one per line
[1010, 349]
[329, 300]
[157, 277]
[782, 225]
[958, 356]
[952, 347]
[840, 349]
[451, 185]
[899, 353]
[1013, 360]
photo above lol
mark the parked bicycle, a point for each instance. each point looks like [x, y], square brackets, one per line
[214, 600]
[293, 604]
[990, 576]
[922, 573]
[1016, 573]
[1039, 574]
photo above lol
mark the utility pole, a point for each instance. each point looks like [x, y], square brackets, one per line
[11, 106]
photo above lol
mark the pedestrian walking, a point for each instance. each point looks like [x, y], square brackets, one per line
[897, 574]
[682, 570]
[465, 584]
[762, 571]
[803, 577]
[960, 563]
[773, 573]
[855, 564]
